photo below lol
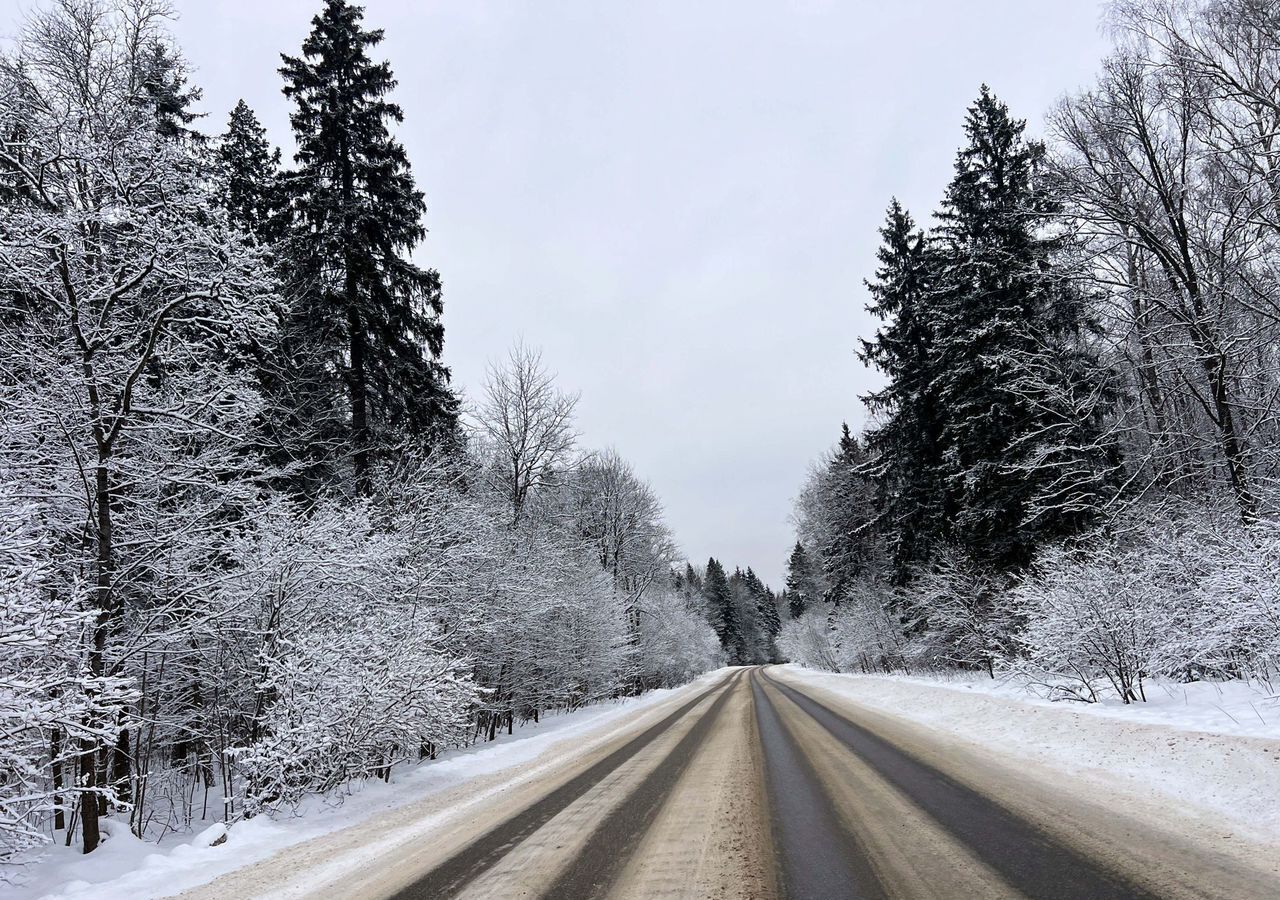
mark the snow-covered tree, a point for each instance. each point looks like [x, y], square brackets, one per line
[526, 424]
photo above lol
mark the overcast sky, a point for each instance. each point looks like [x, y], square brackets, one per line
[677, 201]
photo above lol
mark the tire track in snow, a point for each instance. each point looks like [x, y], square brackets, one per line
[1030, 860]
[451, 876]
[595, 869]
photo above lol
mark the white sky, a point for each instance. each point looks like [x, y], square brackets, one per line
[676, 200]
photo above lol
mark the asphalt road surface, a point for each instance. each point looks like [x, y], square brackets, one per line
[761, 787]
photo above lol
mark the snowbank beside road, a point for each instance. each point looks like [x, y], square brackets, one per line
[1192, 749]
[125, 868]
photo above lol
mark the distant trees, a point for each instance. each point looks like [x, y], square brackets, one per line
[742, 610]
[720, 606]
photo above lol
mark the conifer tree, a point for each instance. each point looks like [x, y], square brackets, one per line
[906, 445]
[852, 548]
[162, 75]
[769, 613]
[691, 577]
[715, 588]
[1001, 307]
[802, 586]
[250, 166]
[359, 218]
[765, 614]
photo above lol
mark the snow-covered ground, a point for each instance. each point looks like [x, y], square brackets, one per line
[1207, 751]
[129, 869]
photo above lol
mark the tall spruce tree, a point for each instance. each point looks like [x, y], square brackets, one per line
[906, 444]
[162, 74]
[769, 616]
[250, 168]
[852, 548]
[764, 614]
[359, 216]
[1001, 307]
[803, 589]
[754, 644]
[302, 431]
[719, 599]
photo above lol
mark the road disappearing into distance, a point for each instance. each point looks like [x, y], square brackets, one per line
[757, 785]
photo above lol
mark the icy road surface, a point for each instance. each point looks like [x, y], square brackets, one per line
[767, 784]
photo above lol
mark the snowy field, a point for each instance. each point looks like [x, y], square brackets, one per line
[129, 869]
[1209, 751]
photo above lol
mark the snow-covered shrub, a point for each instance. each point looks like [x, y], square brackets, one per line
[1191, 595]
[354, 670]
[808, 639]
[48, 703]
[1093, 619]
[1223, 607]
[351, 702]
[964, 615]
[675, 643]
[861, 633]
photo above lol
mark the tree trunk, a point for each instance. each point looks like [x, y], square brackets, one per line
[357, 377]
[89, 800]
[55, 765]
[360, 437]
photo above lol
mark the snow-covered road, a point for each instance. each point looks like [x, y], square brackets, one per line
[781, 782]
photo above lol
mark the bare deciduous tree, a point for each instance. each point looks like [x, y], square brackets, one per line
[528, 425]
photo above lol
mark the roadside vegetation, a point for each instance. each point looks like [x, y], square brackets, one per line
[253, 543]
[1069, 474]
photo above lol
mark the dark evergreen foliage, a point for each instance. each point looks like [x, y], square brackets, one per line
[358, 216]
[715, 589]
[907, 444]
[981, 443]
[1003, 306]
[802, 584]
[852, 549]
[163, 78]
[250, 167]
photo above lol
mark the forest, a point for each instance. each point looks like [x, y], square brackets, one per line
[253, 543]
[256, 544]
[1069, 473]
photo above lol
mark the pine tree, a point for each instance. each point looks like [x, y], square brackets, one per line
[691, 577]
[766, 615]
[802, 585]
[250, 166]
[1001, 308]
[162, 75]
[359, 219]
[906, 447]
[852, 549]
[715, 588]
